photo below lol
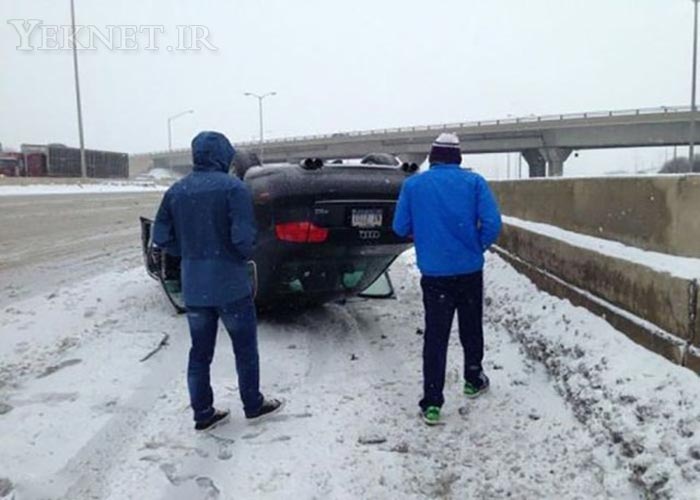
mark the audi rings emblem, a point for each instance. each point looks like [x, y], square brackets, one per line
[370, 235]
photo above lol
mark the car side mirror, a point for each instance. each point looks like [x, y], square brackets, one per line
[244, 161]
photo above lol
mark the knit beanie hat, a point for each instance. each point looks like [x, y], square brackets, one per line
[446, 150]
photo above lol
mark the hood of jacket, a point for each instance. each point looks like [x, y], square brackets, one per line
[212, 152]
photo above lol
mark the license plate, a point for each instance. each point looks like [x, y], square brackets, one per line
[362, 217]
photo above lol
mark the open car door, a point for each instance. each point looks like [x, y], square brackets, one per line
[383, 288]
[161, 266]
[166, 268]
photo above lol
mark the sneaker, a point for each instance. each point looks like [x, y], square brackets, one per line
[477, 388]
[219, 417]
[431, 415]
[268, 408]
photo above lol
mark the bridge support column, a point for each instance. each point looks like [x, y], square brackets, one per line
[536, 161]
[417, 158]
[546, 162]
[555, 160]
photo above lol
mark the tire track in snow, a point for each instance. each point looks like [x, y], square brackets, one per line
[67, 443]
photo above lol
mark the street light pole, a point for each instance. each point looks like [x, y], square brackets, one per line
[693, 106]
[260, 99]
[171, 119]
[520, 165]
[83, 167]
[170, 126]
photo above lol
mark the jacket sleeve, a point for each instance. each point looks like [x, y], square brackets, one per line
[164, 229]
[403, 223]
[243, 229]
[489, 215]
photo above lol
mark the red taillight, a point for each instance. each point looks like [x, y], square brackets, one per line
[301, 232]
[317, 234]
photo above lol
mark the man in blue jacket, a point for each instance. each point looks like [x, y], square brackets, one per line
[453, 218]
[207, 219]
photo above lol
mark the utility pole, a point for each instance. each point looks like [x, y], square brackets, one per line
[693, 106]
[83, 167]
[260, 99]
[520, 165]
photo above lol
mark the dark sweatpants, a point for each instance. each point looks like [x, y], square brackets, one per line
[442, 296]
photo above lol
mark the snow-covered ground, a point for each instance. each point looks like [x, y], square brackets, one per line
[78, 188]
[576, 409]
[162, 174]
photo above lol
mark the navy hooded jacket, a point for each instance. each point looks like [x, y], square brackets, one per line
[452, 216]
[207, 219]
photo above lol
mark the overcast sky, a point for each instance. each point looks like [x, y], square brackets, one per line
[344, 65]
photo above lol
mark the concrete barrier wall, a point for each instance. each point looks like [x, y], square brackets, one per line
[655, 296]
[616, 289]
[669, 346]
[659, 213]
[140, 164]
[692, 361]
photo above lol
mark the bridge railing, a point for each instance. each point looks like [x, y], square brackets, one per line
[483, 123]
[466, 124]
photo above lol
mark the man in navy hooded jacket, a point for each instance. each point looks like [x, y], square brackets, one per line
[207, 219]
[453, 218]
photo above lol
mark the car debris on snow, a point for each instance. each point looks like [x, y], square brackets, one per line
[163, 342]
[371, 439]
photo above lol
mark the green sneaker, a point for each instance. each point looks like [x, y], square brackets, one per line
[476, 389]
[431, 415]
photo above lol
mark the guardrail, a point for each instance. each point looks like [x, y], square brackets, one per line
[448, 126]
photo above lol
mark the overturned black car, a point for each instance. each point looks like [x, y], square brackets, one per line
[324, 231]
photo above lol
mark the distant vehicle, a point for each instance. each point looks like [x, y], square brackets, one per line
[36, 165]
[11, 164]
[324, 233]
[58, 160]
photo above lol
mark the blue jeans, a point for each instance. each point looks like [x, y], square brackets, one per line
[240, 322]
[442, 296]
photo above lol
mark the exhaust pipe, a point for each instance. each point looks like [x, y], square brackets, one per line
[409, 168]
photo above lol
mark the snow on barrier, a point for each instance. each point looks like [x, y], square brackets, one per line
[651, 297]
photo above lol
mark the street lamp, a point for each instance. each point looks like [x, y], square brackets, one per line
[83, 168]
[693, 107]
[260, 99]
[171, 119]
[170, 126]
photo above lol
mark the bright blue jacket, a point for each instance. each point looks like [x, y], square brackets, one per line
[453, 218]
[207, 218]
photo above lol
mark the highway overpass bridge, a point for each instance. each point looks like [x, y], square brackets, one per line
[544, 141]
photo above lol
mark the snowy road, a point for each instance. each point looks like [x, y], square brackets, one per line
[576, 410]
[51, 240]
